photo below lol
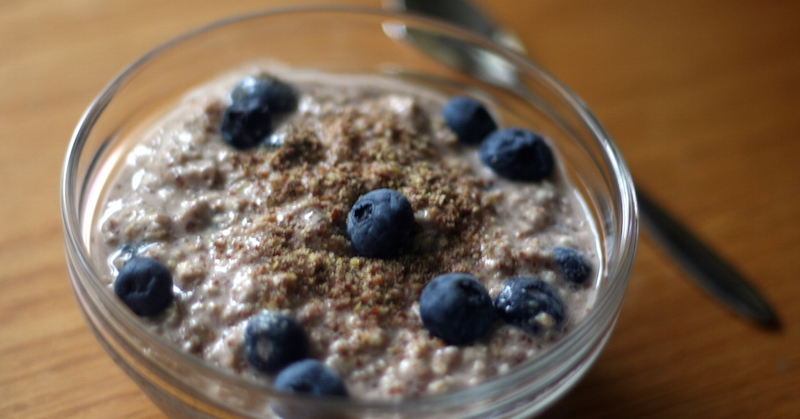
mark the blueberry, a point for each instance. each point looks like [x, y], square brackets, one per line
[380, 223]
[517, 154]
[456, 308]
[531, 305]
[246, 123]
[255, 104]
[144, 285]
[312, 377]
[574, 266]
[272, 341]
[468, 119]
[280, 98]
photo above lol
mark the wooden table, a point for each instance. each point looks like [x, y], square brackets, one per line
[703, 98]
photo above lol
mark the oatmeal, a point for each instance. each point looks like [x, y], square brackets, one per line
[248, 229]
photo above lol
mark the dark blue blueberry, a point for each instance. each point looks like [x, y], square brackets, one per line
[246, 123]
[530, 304]
[280, 98]
[517, 154]
[573, 265]
[272, 341]
[380, 223]
[456, 308]
[256, 103]
[144, 285]
[312, 377]
[469, 119]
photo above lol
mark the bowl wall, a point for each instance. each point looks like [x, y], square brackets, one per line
[348, 42]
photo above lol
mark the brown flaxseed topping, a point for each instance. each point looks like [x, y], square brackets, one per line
[307, 171]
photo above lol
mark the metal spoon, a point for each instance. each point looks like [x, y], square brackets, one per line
[712, 273]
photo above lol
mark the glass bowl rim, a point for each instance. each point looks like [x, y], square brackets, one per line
[627, 219]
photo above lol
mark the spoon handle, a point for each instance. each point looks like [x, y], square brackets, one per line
[713, 274]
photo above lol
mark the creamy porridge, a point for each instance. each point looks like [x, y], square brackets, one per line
[265, 228]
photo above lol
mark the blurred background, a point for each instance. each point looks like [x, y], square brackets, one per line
[703, 99]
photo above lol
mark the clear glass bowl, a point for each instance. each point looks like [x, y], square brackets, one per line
[353, 42]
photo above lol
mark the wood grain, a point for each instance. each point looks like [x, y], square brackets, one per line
[703, 98]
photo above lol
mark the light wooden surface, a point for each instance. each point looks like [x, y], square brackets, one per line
[703, 98]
